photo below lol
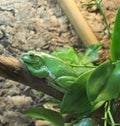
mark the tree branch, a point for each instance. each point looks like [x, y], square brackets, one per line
[13, 69]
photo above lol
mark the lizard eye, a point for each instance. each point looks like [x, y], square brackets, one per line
[31, 55]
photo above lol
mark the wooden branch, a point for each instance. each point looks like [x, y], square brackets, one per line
[78, 22]
[13, 69]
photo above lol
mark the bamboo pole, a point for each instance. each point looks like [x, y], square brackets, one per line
[78, 22]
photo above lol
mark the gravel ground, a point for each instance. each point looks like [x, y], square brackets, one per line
[40, 25]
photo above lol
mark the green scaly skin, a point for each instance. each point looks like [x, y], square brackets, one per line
[58, 73]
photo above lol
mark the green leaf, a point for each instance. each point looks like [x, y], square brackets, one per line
[54, 117]
[112, 88]
[101, 84]
[68, 55]
[115, 42]
[71, 56]
[75, 101]
[80, 63]
[91, 54]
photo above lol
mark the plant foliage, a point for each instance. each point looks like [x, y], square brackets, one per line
[93, 87]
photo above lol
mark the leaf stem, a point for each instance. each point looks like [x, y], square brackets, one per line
[97, 2]
[105, 114]
[84, 65]
[110, 115]
[104, 16]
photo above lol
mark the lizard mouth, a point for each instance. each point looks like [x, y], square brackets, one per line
[28, 60]
[35, 62]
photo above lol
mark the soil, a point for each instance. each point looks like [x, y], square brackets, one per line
[41, 25]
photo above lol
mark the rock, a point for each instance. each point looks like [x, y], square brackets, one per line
[19, 101]
[15, 119]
